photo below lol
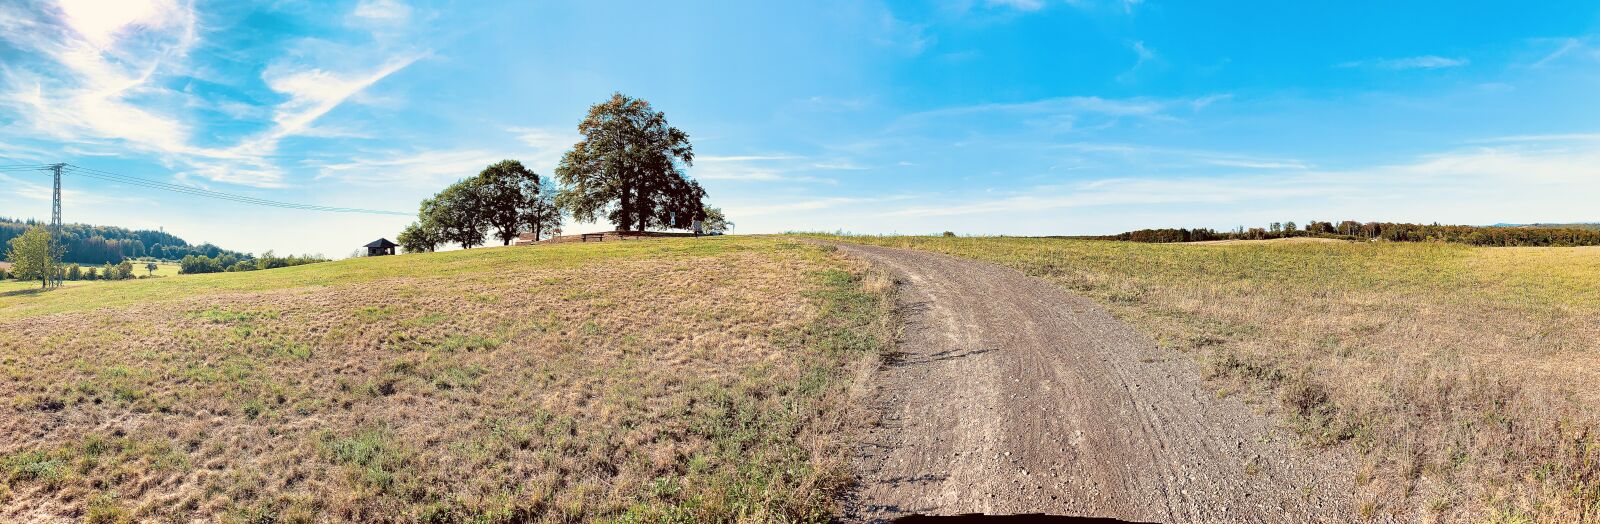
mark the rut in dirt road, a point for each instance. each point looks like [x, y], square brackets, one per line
[1013, 396]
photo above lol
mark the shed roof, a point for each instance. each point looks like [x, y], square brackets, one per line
[382, 242]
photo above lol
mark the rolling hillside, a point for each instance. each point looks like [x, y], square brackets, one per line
[691, 380]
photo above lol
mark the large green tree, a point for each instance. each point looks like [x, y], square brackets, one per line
[33, 256]
[508, 191]
[626, 168]
[458, 213]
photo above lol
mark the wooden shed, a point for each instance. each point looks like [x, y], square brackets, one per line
[381, 247]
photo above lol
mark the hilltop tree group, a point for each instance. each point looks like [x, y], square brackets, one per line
[504, 200]
[626, 169]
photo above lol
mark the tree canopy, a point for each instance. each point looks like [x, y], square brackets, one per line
[419, 238]
[506, 200]
[32, 255]
[509, 192]
[458, 213]
[626, 168]
[715, 221]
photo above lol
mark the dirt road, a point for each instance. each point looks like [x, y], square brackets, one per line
[1014, 396]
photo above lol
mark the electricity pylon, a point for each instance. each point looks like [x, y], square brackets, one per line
[56, 242]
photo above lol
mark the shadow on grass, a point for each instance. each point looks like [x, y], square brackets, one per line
[21, 292]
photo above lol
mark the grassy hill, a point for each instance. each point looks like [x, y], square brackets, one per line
[689, 380]
[1467, 378]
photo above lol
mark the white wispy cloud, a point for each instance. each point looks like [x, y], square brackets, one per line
[892, 32]
[1022, 5]
[1415, 62]
[742, 158]
[44, 193]
[1558, 137]
[1256, 164]
[387, 11]
[770, 168]
[1144, 54]
[424, 169]
[1139, 154]
[808, 203]
[1566, 47]
[546, 146]
[95, 73]
[1512, 182]
[313, 92]
[1119, 191]
[1206, 101]
[1064, 110]
[99, 83]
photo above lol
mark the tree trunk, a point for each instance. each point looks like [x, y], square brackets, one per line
[639, 220]
[627, 210]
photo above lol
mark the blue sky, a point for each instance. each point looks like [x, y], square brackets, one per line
[980, 117]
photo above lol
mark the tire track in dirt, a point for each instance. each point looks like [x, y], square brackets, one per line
[1014, 396]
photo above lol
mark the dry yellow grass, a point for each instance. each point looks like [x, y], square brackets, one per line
[683, 380]
[1466, 377]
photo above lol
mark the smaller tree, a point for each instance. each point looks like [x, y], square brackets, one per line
[91, 274]
[419, 237]
[151, 268]
[74, 272]
[715, 221]
[32, 256]
[125, 269]
[541, 216]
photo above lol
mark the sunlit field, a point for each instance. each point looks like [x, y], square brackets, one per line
[684, 380]
[1466, 378]
[9, 287]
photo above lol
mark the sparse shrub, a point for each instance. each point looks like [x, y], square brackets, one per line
[105, 509]
[34, 465]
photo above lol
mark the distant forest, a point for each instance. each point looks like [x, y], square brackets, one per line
[1533, 235]
[88, 244]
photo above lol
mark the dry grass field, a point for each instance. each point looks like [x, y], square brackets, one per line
[1466, 378]
[668, 380]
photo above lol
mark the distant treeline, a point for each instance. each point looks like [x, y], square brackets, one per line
[1390, 231]
[228, 262]
[88, 244]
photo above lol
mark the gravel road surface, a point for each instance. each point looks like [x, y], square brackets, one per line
[1015, 396]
